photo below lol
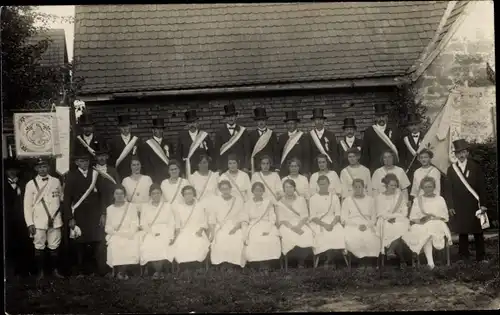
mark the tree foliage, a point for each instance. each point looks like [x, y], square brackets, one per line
[406, 102]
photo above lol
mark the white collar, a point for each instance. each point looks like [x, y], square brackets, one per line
[292, 133]
[262, 130]
[83, 172]
[350, 139]
[231, 126]
[416, 134]
[88, 137]
[157, 139]
[193, 133]
[125, 137]
[382, 128]
[462, 164]
[101, 167]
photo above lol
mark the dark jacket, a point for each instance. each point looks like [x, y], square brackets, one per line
[152, 164]
[241, 148]
[271, 149]
[184, 142]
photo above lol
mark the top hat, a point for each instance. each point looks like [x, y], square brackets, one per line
[11, 163]
[42, 161]
[412, 119]
[230, 110]
[191, 115]
[380, 109]
[349, 123]
[124, 120]
[101, 149]
[318, 113]
[460, 145]
[81, 153]
[85, 120]
[259, 113]
[291, 115]
[158, 123]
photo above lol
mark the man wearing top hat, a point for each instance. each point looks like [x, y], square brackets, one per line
[294, 144]
[348, 141]
[123, 147]
[377, 139]
[322, 142]
[42, 215]
[263, 141]
[232, 139]
[87, 139]
[466, 198]
[409, 144]
[192, 143]
[156, 153]
[82, 213]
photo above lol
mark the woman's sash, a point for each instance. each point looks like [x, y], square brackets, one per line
[233, 182]
[267, 185]
[266, 211]
[206, 185]
[221, 225]
[176, 191]
[135, 188]
[296, 213]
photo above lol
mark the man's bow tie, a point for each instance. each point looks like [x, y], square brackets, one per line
[45, 179]
[13, 181]
[415, 136]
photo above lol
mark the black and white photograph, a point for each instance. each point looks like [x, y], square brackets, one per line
[249, 157]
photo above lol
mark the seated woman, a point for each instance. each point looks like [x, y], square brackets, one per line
[325, 220]
[122, 239]
[228, 222]
[388, 158]
[263, 242]
[271, 180]
[137, 185]
[204, 180]
[158, 223]
[172, 186]
[301, 182]
[293, 222]
[335, 185]
[191, 244]
[358, 217]
[428, 217]
[240, 182]
[426, 170]
[392, 221]
[352, 171]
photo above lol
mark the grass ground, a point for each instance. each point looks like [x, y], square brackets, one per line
[458, 287]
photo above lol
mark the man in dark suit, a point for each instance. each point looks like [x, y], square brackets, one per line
[294, 144]
[465, 196]
[322, 142]
[408, 146]
[263, 141]
[87, 139]
[349, 140]
[377, 139]
[156, 153]
[123, 147]
[192, 143]
[232, 139]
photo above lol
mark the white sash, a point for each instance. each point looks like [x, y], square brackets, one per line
[87, 193]
[206, 185]
[42, 192]
[267, 185]
[92, 151]
[126, 151]
[318, 144]
[157, 149]
[266, 211]
[233, 182]
[464, 181]
[176, 190]
[344, 145]
[235, 137]
[386, 139]
[105, 175]
[261, 144]
[408, 145]
[290, 143]
[194, 145]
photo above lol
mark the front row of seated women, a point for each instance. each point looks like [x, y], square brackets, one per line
[262, 229]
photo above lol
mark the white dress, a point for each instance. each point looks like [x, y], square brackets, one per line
[158, 225]
[294, 214]
[349, 173]
[385, 206]
[302, 184]
[419, 174]
[357, 212]
[173, 192]
[137, 191]
[262, 219]
[225, 215]
[205, 186]
[326, 208]
[240, 183]
[381, 172]
[122, 241]
[190, 247]
[434, 230]
[272, 184]
[335, 185]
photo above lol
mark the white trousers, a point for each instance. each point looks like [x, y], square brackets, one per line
[51, 237]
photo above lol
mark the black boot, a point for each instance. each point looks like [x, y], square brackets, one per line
[54, 262]
[39, 261]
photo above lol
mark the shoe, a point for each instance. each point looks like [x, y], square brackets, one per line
[56, 274]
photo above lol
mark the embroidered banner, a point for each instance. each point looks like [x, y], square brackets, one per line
[35, 135]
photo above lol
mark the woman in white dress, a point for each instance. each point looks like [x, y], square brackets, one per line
[172, 186]
[426, 170]
[271, 180]
[240, 181]
[388, 159]
[392, 221]
[352, 171]
[301, 182]
[204, 180]
[192, 244]
[228, 224]
[262, 241]
[325, 220]
[122, 239]
[137, 186]
[428, 216]
[293, 222]
[158, 229]
[359, 217]
[335, 185]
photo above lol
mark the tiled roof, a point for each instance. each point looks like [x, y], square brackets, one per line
[56, 53]
[125, 48]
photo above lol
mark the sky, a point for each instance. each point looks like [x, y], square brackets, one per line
[69, 28]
